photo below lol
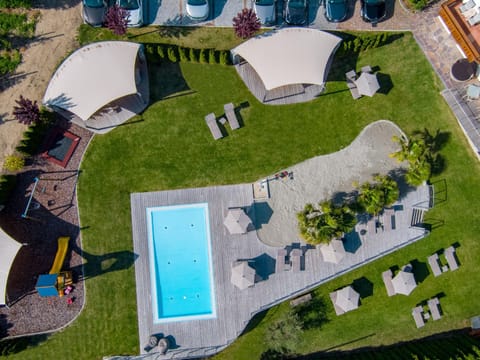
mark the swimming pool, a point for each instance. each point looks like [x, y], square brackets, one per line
[180, 263]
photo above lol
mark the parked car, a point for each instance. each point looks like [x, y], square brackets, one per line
[198, 9]
[93, 12]
[296, 12]
[265, 11]
[373, 10]
[336, 10]
[134, 7]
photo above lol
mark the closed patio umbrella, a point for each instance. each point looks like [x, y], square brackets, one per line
[243, 275]
[404, 283]
[347, 299]
[334, 252]
[367, 84]
[237, 221]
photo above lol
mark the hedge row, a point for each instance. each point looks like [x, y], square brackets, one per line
[363, 42]
[174, 53]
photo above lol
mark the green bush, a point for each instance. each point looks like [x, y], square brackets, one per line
[9, 61]
[362, 42]
[9, 4]
[193, 55]
[202, 57]
[14, 163]
[161, 52]
[224, 59]
[33, 137]
[172, 54]
[182, 52]
[212, 59]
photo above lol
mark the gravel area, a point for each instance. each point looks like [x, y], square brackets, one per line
[324, 177]
[57, 216]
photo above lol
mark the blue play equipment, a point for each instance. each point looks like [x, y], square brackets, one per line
[24, 215]
[47, 285]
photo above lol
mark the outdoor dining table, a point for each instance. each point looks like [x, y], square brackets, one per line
[463, 70]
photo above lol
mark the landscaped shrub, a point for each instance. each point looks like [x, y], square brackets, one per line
[14, 163]
[202, 58]
[26, 111]
[246, 23]
[192, 55]
[9, 61]
[362, 42]
[161, 51]
[211, 56]
[33, 137]
[172, 54]
[224, 58]
[374, 196]
[116, 19]
[284, 334]
[182, 54]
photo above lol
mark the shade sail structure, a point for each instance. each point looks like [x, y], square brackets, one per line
[334, 252]
[243, 276]
[289, 56]
[237, 222]
[94, 76]
[367, 84]
[8, 251]
[404, 283]
[347, 299]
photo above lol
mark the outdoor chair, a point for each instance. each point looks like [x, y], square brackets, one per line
[473, 92]
[434, 265]
[351, 75]
[355, 93]
[451, 259]
[434, 310]
[231, 116]
[387, 280]
[417, 316]
[280, 264]
[388, 219]
[474, 20]
[367, 69]
[211, 121]
[372, 226]
[467, 6]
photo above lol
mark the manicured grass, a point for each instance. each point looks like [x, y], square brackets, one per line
[169, 146]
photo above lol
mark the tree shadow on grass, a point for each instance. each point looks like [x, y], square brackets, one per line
[166, 81]
[17, 345]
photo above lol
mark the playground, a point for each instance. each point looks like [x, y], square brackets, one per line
[44, 223]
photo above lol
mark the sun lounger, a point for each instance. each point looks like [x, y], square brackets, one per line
[213, 126]
[417, 316]
[280, 264]
[367, 69]
[371, 227]
[474, 20]
[231, 116]
[387, 280]
[388, 219]
[451, 259]
[433, 305]
[434, 265]
[352, 75]
[467, 6]
[296, 259]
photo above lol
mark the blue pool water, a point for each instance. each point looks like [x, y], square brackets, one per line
[180, 263]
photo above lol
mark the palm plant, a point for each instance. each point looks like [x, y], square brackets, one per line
[246, 23]
[419, 157]
[116, 19]
[325, 223]
[373, 197]
[27, 111]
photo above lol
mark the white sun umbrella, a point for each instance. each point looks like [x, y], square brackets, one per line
[367, 84]
[404, 283]
[243, 275]
[237, 221]
[334, 252]
[347, 299]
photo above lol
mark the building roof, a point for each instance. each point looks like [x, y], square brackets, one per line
[290, 56]
[93, 76]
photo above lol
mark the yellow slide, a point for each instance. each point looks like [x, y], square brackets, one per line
[60, 256]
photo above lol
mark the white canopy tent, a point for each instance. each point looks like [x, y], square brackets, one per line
[94, 76]
[8, 251]
[289, 56]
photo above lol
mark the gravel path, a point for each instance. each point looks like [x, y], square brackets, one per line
[327, 176]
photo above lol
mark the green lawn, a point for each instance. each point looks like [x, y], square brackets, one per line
[169, 146]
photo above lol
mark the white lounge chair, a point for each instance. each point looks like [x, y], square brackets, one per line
[474, 20]
[231, 116]
[418, 317]
[387, 280]
[434, 310]
[211, 121]
[434, 265]
[296, 260]
[280, 264]
[451, 259]
[467, 6]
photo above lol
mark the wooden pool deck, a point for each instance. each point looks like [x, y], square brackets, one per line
[235, 307]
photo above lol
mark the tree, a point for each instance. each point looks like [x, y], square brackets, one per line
[419, 157]
[116, 19]
[27, 111]
[374, 196]
[325, 223]
[246, 23]
[284, 334]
